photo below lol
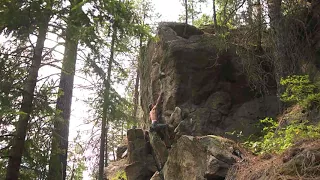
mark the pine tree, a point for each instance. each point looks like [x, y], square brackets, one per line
[214, 16]
[59, 149]
[28, 95]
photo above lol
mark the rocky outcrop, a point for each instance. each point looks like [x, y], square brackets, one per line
[205, 88]
[206, 94]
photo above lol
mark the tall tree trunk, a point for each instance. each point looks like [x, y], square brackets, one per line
[186, 22]
[274, 8]
[113, 153]
[186, 9]
[250, 11]
[136, 87]
[59, 147]
[27, 105]
[122, 129]
[103, 160]
[214, 13]
[136, 96]
[192, 12]
[259, 16]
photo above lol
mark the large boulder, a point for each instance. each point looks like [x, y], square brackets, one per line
[206, 92]
[200, 158]
[205, 87]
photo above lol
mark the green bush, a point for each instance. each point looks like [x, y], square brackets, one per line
[300, 90]
[276, 139]
[203, 20]
[121, 175]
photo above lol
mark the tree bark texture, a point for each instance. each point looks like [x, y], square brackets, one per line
[260, 21]
[59, 147]
[186, 22]
[103, 159]
[279, 59]
[136, 86]
[27, 102]
[214, 13]
[250, 12]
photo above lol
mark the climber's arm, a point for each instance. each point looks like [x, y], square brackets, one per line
[153, 109]
[158, 100]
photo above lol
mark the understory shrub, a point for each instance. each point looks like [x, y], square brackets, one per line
[276, 139]
[121, 175]
[300, 90]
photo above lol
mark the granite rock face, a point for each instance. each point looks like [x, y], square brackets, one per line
[205, 95]
[205, 88]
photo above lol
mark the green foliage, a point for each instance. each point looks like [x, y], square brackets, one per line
[299, 89]
[277, 139]
[121, 175]
[203, 20]
[226, 13]
[76, 160]
[194, 10]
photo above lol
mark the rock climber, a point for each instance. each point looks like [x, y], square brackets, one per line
[155, 115]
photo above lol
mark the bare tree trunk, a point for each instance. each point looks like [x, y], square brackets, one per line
[122, 129]
[259, 14]
[192, 12]
[136, 87]
[214, 13]
[27, 105]
[274, 8]
[186, 9]
[103, 161]
[59, 147]
[72, 171]
[250, 10]
[113, 153]
[136, 95]
[186, 22]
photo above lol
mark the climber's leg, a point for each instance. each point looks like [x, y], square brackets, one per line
[155, 126]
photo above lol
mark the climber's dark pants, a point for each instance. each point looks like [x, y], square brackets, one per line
[162, 130]
[157, 126]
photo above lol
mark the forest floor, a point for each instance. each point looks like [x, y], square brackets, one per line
[302, 161]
